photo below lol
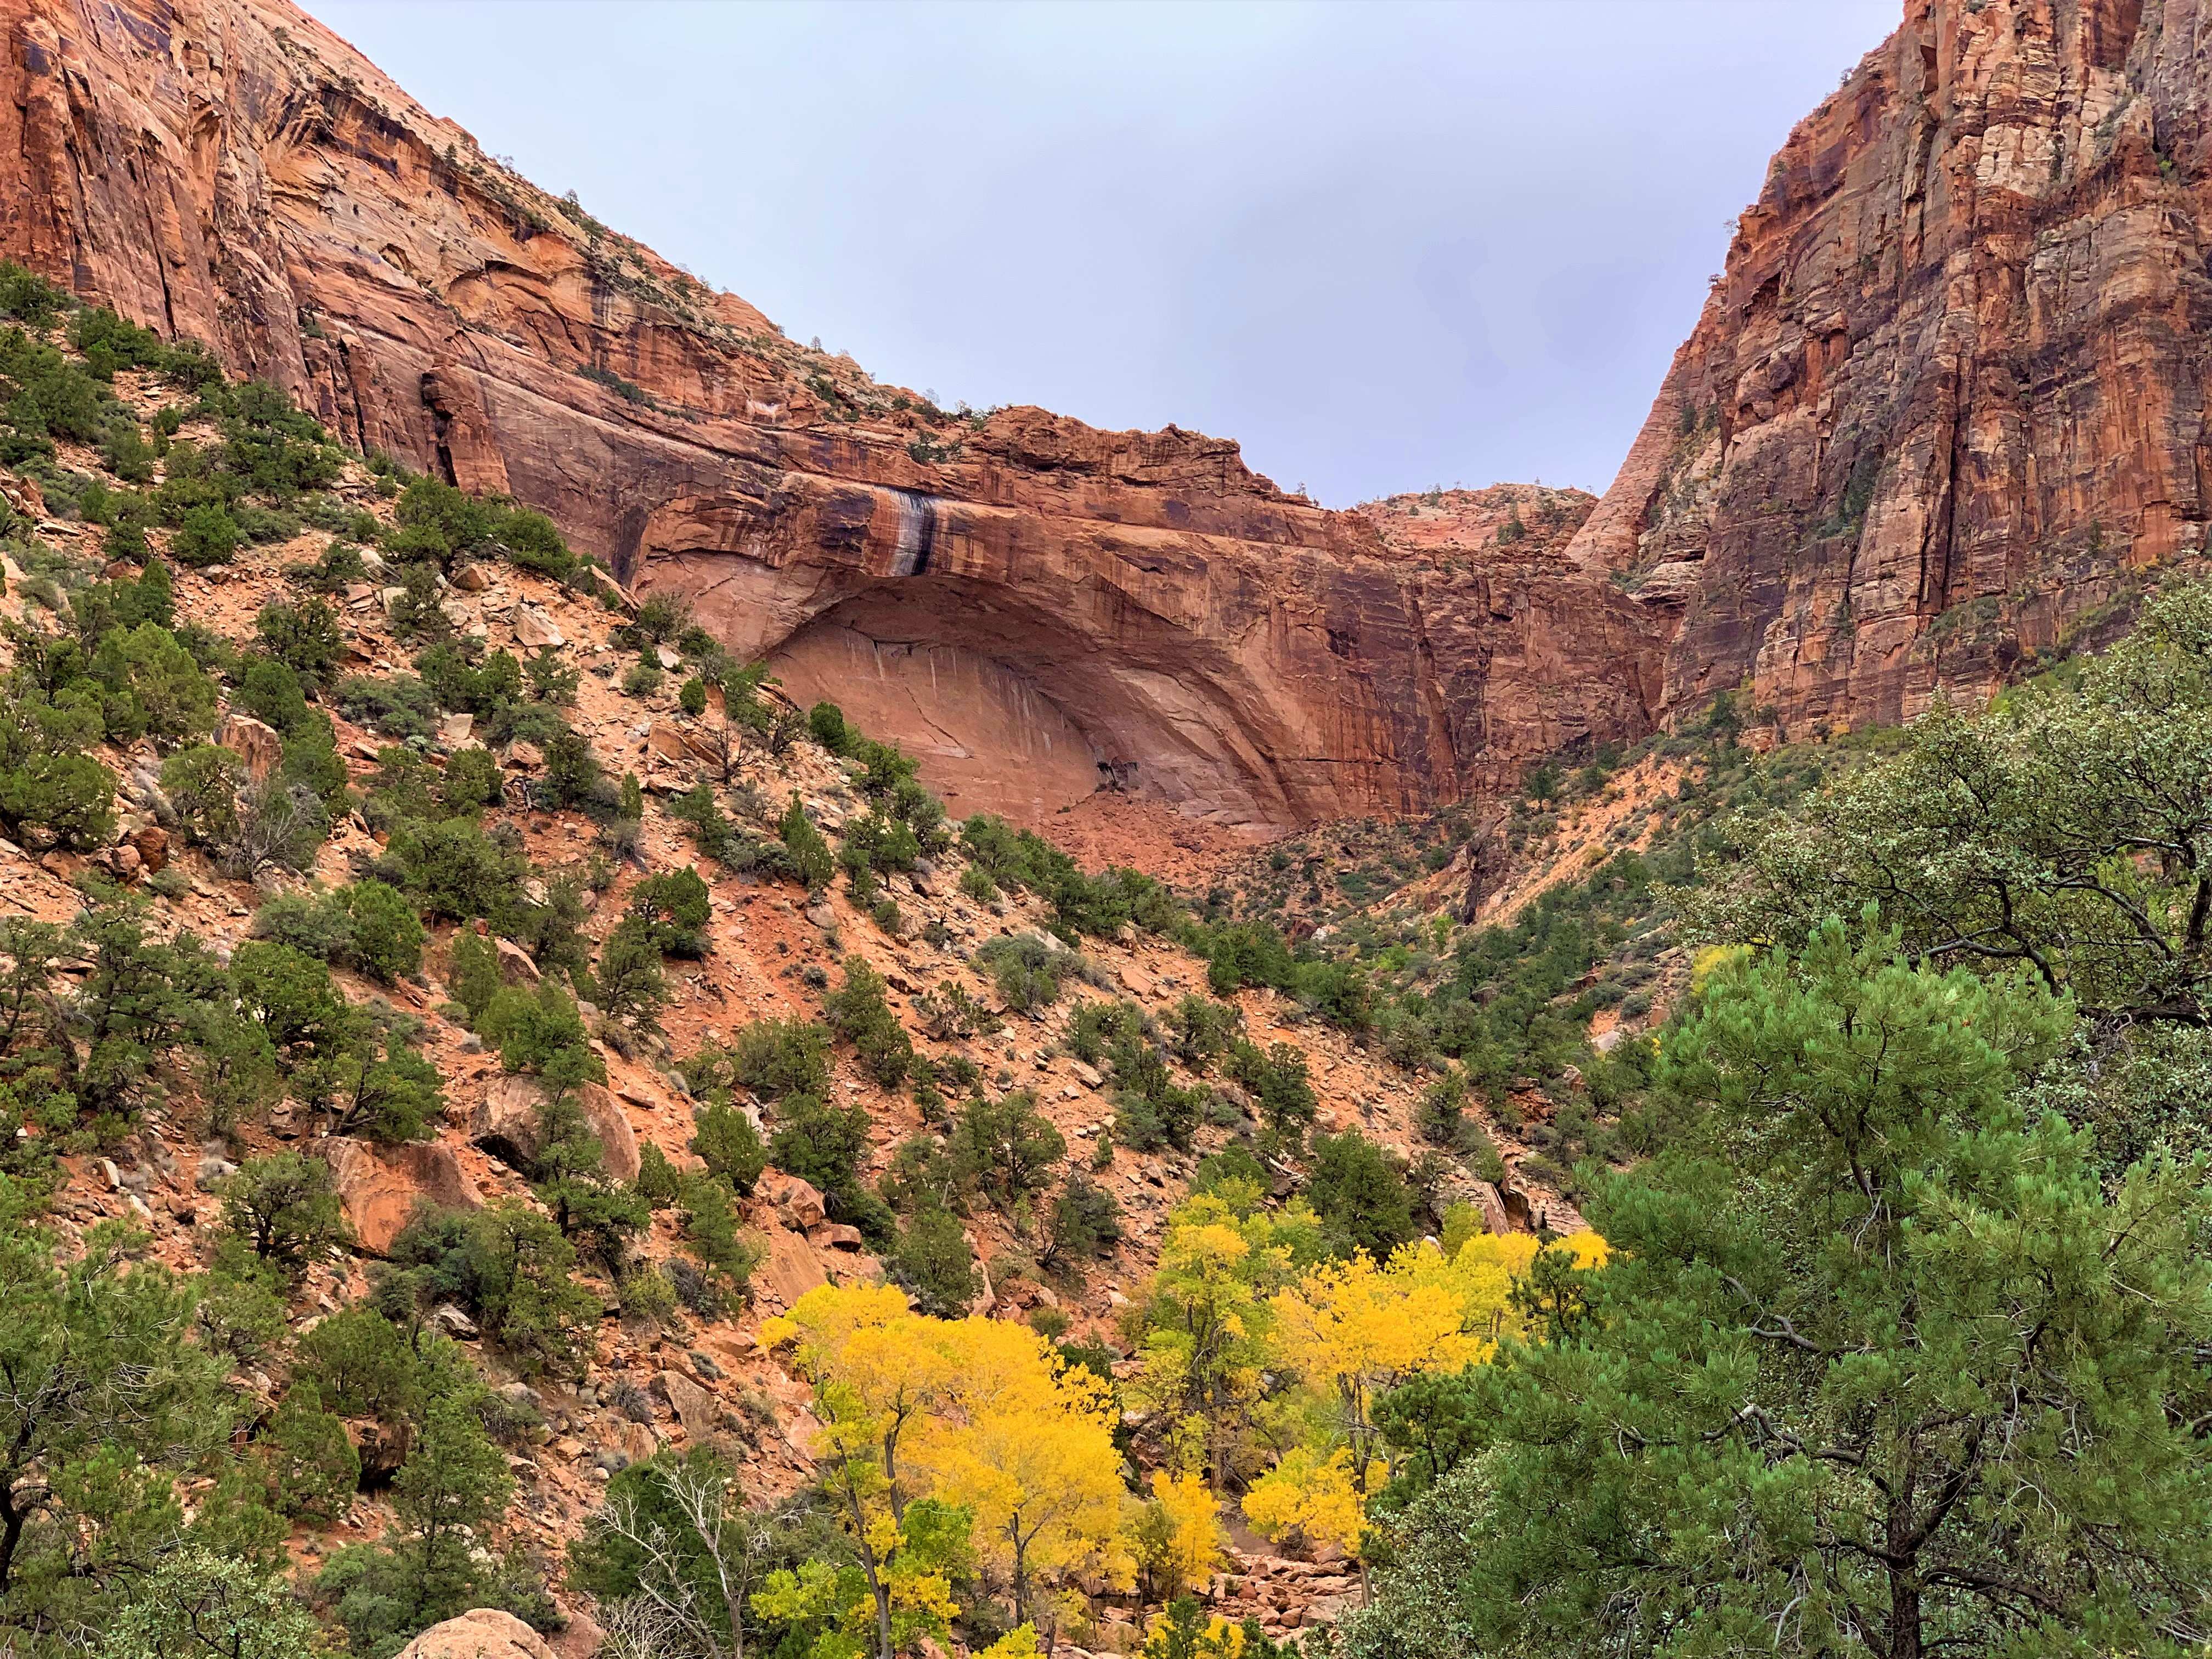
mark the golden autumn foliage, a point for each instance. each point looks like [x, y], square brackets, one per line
[1313, 1494]
[1179, 1535]
[979, 1413]
[1353, 1330]
[983, 1423]
[1203, 1345]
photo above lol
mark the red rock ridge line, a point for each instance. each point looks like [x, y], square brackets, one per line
[1142, 605]
[1948, 396]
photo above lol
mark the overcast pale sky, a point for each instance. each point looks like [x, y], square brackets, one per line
[1385, 245]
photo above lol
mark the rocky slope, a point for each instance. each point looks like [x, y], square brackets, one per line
[1947, 395]
[1037, 608]
[1526, 519]
[771, 950]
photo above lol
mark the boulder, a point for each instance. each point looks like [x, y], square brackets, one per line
[515, 966]
[793, 1267]
[380, 1185]
[797, 1204]
[472, 578]
[694, 1407]
[481, 1633]
[454, 1321]
[506, 1125]
[664, 742]
[1485, 1199]
[153, 846]
[453, 729]
[252, 741]
[836, 1236]
[534, 629]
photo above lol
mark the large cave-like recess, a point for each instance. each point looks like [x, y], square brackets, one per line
[988, 739]
[1012, 710]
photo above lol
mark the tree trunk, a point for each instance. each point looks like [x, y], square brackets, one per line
[11, 1534]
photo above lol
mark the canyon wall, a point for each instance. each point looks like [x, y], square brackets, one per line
[1944, 408]
[1038, 609]
[1945, 401]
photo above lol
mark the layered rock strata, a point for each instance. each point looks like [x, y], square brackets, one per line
[1947, 398]
[1039, 609]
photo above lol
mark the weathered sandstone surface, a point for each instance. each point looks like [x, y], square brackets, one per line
[1948, 396]
[1037, 607]
[1946, 400]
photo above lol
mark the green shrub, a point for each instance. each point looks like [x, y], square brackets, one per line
[691, 696]
[1358, 1192]
[395, 705]
[726, 1140]
[772, 1058]
[630, 986]
[811, 859]
[1006, 1148]
[471, 782]
[551, 678]
[935, 1263]
[825, 724]
[1027, 971]
[284, 1209]
[508, 1266]
[1279, 1083]
[72, 795]
[826, 1145]
[540, 1031]
[572, 774]
[151, 688]
[1201, 1029]
[313, 1467]
[473, 977]
[1086, 1223]
[710, 1230]
[388, 934]
[712, 832]
[271, 692]
[205, 535]
[675, 908]
[859, 1012]
[452, 870]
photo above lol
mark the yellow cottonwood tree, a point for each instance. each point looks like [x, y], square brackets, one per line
[878, 1369]
[1030, 1454]
[1180, 1536]
[1312, 1492]
[1203, 1348]
[1354, 1330]
[977, 1413]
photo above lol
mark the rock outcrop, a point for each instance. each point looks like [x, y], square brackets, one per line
[481, 1634]
[1038, 609]
[1948, 397]
[1946, 400]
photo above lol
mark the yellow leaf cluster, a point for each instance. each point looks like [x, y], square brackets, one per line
[1317, 1493]
[1189, 1548]
[980, 1413]
[1019, 1643]
[1352, 1330]
[1216, 1639]
[1203, 1350]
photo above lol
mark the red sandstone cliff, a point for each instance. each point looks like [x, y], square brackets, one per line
[1950, 388]
[1946, 398]
[1036, 607]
